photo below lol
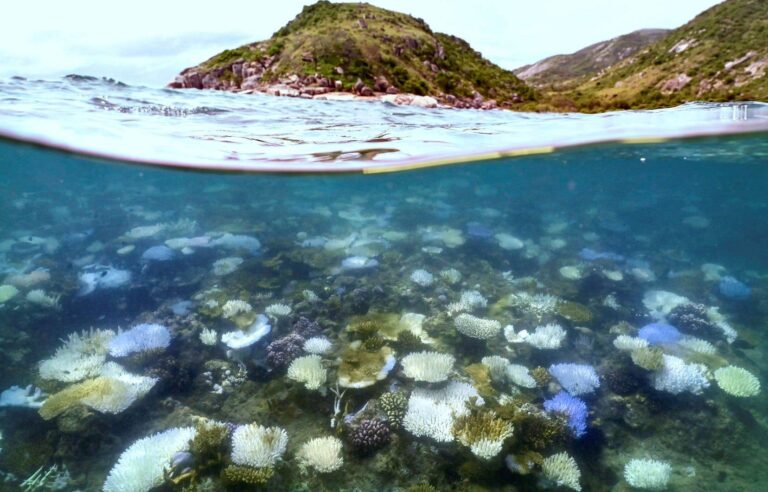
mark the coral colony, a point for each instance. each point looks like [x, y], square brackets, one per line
[415, 348]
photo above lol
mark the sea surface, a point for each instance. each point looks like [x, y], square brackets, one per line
[196, 286]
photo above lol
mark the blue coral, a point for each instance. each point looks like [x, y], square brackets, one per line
[734, 289]
[659, 333]
[575, 409]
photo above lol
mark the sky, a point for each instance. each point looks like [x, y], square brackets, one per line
[147, 42]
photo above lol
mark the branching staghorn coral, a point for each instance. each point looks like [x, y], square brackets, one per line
[482, 431]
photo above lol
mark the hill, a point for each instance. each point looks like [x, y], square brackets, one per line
[359, 48]
[721, 55]
[568, 71]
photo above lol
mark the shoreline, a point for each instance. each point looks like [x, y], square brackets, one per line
[321, 88]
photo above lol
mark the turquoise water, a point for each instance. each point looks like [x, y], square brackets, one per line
[549, 258]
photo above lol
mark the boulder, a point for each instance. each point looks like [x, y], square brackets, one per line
[381, 84]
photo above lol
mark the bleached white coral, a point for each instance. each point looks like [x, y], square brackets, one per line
[258, 446]
[310, 296]
[676, 376]
[430, 413]
[513, 336]
[538, 305]
[719, 320]
[317, 345]
[422, 278]
[647, 474]
[497, 366]
[576, 379]
[29, 397]
[322, 454]
[144, 464]
[240, 339]
[209, 336]
[233, 307]
[39, 297]
[508, 241]
[548, 337]
[309, 370]
[562, 469]
[696, 345]
[425, 417]
[660, 303]
[82, 356]
[145, 337]
[122, 390]
[520, 375]
[225, 266]
[278, 310]
[737, 381]
[431, 367]
[475, 327]
[469, 301]
[626, 342]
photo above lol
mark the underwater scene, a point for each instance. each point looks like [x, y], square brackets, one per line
[590, 319]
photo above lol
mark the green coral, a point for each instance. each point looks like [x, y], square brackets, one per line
[360, 368]
[247, 475]
[534, 429]
[373, 342]
[394, 404]
[575, 312]
[421, 487]
[385, 325]
[649, 358]
[408, 342]
[541, 375]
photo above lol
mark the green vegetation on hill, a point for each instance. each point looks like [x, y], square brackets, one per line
[567, 71]
[721, 55]
[350, 41]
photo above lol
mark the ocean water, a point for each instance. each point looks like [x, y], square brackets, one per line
[589, 299]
